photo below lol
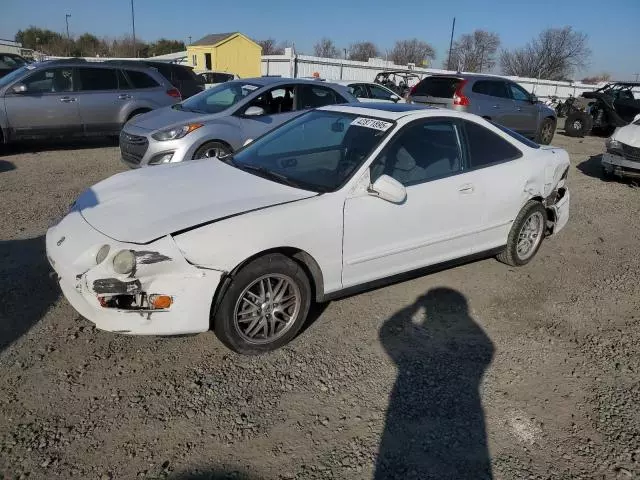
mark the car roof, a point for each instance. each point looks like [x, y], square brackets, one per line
[468, 76]
[390, 111]
[264, 81]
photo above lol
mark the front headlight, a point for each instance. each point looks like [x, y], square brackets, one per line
[124, 262]
[613, 146]
[176, 133]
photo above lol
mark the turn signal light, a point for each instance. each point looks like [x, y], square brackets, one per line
[158, 302]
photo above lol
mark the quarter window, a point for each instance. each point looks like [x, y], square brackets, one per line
[50, 81]
[420, 153]
[141, 79]
[92, 79]
[487, 148]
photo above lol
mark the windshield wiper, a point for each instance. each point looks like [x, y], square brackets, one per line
[271, 175]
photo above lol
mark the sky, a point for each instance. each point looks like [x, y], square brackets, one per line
[612, 25]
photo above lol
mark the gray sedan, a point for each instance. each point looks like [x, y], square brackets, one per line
[220, 120]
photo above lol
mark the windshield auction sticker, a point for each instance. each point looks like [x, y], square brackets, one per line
[372, 123]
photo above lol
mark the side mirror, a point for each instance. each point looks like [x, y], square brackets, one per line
[19, 88]
[389, 189]
[254, 111]
[533, 98]
[395, 98]
[636, 118]
[247, 142]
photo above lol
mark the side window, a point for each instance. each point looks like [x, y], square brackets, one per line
[141, 79]
[482, 86]
[92, 79]
[358, 90]
[277, 100]
[491, 88]
[183, 73]
[423, 151]
[221, 77]
[487, 148]
[518, 93]
[379, 93]
[50, 81]
[312, 96]
[123, 83]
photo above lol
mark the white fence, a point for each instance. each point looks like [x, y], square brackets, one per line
[291, 65]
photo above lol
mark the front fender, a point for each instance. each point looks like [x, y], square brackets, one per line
[222, 130]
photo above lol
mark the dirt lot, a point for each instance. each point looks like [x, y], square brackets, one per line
[481, 371]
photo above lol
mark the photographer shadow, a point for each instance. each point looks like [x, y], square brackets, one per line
[435, 426]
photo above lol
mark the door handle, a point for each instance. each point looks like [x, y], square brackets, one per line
[124, 96]
[519, 109]
[467, 188]
[496, 106]
[67, 99]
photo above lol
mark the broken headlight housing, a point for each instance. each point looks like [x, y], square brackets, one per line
[124, 262]
[613, 146]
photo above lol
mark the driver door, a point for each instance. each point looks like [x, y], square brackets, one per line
[523, 118]
[48, 108]
[434, 224]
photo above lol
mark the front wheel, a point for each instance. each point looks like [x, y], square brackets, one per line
[212, 150]
[264, 307]
[526, 235]
[547, 129]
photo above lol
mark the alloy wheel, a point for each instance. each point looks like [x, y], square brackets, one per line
[530, 235]
[267, 308]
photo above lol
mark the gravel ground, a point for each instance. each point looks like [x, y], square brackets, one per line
[481, 371]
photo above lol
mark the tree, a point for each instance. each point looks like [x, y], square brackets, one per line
[412, 51]
[363, 51]
[555, 54]
[326, 48]
[164, 46]
[473, 52]
[270, 47]
[89, 45]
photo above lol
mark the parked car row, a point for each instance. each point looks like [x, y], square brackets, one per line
[337, 199]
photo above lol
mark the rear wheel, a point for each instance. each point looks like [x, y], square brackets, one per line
[212, 150]
[526, 235]
[546, 131]
[265, 305]
[578, 124]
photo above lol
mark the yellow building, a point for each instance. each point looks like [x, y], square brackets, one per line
[226, 52]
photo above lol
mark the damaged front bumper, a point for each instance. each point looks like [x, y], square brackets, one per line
[620, 166]
[125, 303]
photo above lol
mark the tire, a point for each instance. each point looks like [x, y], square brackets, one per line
[511, 255]
[246, 330]
[546, 131]
[212, 150]
[578, 124]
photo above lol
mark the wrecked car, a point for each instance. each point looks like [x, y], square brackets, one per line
[622, 158]
[336, 200]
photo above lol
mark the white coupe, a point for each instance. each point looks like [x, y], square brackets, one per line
[334, 200]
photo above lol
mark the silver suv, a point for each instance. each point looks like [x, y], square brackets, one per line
[492, 97]
[220, 120]
[75, 98]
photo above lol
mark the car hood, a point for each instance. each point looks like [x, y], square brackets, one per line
[629, 135]
[142, 205]
[168, 117]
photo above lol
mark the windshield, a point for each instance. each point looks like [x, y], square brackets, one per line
[11, 61]
[12, 77]
[318, 151]
[219, 98]
[516, 135]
